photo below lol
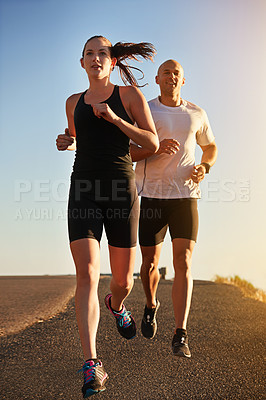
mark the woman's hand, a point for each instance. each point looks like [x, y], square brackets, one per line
[64, 141]
[102, 110]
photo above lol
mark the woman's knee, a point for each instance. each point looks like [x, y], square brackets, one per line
[88, 276]
[124, 282]
[182, 261]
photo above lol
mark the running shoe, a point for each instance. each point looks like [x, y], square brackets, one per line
[125, 323]
[148, 323]
[180, 344]
[94, 378]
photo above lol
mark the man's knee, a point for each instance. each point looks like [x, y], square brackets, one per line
[149, 263]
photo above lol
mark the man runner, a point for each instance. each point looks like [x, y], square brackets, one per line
[168, 183]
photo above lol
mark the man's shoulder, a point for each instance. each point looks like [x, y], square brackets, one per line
[191, 105]
[153, 102]
[194, 108]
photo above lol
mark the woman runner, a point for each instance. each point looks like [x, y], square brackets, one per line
[102, 192]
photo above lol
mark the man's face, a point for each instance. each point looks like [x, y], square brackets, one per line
[170, 77]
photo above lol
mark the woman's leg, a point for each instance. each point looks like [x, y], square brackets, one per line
[122, 261]
[86, 255]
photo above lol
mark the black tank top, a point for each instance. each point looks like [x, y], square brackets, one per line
[102, 148]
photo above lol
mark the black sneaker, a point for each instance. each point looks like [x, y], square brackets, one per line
[148, 323]
[125, 323]
[180, 344]
[94, 378]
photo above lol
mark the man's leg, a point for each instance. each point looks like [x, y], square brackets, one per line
[182, 293]
[150, 278]
[183, 283]
[149, 272]
[152, 230]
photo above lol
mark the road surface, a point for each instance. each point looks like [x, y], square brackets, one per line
[226, 334]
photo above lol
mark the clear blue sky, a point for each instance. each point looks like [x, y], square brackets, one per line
[221, 45]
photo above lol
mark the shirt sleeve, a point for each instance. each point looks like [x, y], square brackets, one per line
[204, 135]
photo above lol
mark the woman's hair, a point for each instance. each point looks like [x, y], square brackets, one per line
[122, 51]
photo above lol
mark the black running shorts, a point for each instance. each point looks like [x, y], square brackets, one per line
[112, 204]
[181, 215]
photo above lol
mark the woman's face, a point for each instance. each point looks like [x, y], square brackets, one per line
[97, 59]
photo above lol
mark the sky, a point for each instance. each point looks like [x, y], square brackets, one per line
[221, 46]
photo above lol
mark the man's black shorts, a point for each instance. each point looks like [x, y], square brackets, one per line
[181, 215]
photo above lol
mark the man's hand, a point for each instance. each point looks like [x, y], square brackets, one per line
[63, 141]
[198, 173]
[102, 110]
[168, 146]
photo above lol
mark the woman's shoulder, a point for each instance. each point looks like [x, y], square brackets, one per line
[72, 100]
[74, 97]
[129, 90]
[130, 93]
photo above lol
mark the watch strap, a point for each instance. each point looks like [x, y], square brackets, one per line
[207, 167]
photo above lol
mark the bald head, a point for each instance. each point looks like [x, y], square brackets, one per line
[171, 64]
[170, 78]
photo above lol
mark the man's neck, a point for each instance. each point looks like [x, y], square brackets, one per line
[170, 101]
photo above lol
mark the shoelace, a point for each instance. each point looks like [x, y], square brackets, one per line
[88, 372]
[124, 319]
[150, 315]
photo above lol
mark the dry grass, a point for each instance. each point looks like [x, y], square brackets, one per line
[246, 287]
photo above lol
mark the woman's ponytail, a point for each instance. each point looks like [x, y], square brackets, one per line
[122, 51]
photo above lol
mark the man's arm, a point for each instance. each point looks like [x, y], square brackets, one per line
[209, 154]
[209, 157]
[167, 146]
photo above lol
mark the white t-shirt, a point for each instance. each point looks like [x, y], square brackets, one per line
[167, 176]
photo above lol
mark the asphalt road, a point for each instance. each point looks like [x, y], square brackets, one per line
[226, 333]
[25, 300]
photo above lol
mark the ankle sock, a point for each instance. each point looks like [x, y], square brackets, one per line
[118, 312]
[95, 360]
[181, 330]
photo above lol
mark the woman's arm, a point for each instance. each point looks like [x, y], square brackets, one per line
[167, 146]
[67, 141]
[139, 153]
[139, 110]
[133, 100]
